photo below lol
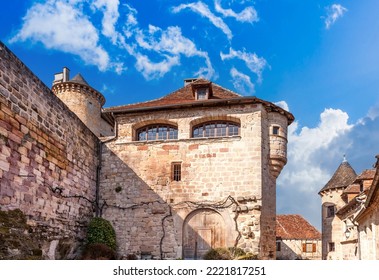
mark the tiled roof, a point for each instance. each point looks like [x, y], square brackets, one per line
[344, 176]
[182, 95]
[353, 188]
[367, 174]
[295, 227]
[185, 97]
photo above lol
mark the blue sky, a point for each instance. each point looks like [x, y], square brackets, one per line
[319, 59]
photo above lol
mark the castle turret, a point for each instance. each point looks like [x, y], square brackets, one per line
[83, 100]
[331, 202]
[278, 124]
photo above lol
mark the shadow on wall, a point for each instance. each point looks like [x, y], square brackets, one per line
[286, 253]
[157, 222]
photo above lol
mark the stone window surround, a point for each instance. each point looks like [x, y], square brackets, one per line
[169, 132]
[228, 126]
[189, 129]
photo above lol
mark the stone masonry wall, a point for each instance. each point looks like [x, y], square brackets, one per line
[43, 146]
[150, 211]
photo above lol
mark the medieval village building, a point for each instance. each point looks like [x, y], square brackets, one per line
[176, 176]
[296, 239]
[350, 218]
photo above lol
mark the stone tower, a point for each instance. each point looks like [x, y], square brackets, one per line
[331, 202]
[83, 100]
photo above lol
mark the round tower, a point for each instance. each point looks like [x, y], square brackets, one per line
[81, 98]
[332, 201]
[278, 124]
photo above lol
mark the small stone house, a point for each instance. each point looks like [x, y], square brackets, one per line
[296, 239]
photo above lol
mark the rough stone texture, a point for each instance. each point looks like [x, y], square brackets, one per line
[44, 145]
[86, 103]
[149, 211]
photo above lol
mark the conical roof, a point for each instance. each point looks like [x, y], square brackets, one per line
[344, 176]
[79, 79]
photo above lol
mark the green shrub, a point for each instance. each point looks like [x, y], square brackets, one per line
[101, 231]
[231, 253]
[98, 251]
[218, 254]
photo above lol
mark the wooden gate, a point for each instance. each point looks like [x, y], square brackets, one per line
[203, 229]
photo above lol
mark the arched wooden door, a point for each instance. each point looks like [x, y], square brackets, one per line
[202, 230]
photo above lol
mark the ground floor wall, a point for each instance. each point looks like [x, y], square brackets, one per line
[217, 203]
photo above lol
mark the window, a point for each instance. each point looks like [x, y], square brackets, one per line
[176, 170]
[202, 93]
[275, 130]
[157, 132]
[278, 246]
[216, 129]
[331, 247]
[309, 247]
[330, 211]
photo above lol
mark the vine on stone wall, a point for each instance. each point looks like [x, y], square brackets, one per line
[193, 205]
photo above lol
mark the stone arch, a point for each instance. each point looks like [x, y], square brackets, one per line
[139, 125]
[215, 118]
[203, 229]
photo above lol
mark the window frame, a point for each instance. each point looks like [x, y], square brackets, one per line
[331, 247]
[278, 245]
[216, 128]
[161, 131]
[330, 211]
[176, 171]
[276, 130]
[309, 247]
[204, 93]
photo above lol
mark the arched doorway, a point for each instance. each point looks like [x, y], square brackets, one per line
[203, 229]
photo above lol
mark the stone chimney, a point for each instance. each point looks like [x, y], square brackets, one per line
[62, 77]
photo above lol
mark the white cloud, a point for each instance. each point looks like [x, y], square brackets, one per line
[203, 10]
[171, 43]
[334, 12]
[131, 21]
[249, 14]
[283, 105]
[242, 82]
[253, 62]
[304, 144]
[110, 17]
[313, 156]
[63, 26]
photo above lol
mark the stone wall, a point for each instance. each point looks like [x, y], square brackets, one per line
[44, 146]
[227, 175]
[86, 103]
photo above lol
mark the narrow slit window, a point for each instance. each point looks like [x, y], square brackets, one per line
[275, 130]
[176, 171]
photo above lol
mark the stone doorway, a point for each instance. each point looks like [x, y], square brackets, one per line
[202, 230]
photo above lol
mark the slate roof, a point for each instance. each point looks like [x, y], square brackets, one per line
[79, 79]
[343, 177]
[295, 227]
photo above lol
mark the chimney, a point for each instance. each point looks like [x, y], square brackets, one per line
[188, 81]
[62, 77]
[66, 74]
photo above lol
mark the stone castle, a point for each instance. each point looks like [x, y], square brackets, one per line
[176, 176]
